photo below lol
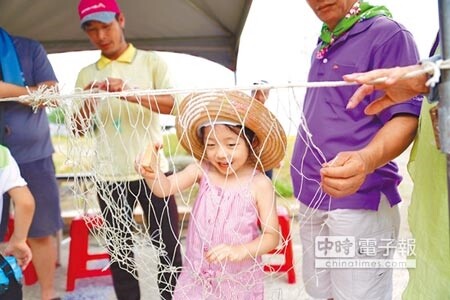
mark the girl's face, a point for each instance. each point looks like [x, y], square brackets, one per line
[225, 150]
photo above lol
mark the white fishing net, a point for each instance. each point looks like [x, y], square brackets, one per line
[98, 158]
[99, 153]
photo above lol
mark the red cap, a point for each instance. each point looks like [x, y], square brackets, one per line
[98, 10]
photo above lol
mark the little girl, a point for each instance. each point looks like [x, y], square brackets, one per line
[235, 138]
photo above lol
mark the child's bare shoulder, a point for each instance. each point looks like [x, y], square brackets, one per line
[195, 169]
[261, 176]
[262, 182]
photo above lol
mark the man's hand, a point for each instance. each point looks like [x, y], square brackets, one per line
[345, 174]
[397, 89]
[110, 85]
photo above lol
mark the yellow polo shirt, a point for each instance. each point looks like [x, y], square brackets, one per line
[123, 129]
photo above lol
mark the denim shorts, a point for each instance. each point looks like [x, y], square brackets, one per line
[41, 180]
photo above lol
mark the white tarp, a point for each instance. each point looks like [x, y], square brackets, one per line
[205, 28]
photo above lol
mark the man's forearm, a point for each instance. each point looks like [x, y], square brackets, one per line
[162, 104]
[390, 141]
[8, 90]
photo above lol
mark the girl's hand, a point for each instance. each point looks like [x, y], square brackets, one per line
[144, 171]
[147, 163]
[226, 253]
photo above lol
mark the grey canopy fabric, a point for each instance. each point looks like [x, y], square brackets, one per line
[205, 28]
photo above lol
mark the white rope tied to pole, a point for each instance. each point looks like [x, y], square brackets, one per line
[434, 79]
[427, 67]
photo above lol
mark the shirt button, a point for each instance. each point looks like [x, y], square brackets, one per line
[325, 60]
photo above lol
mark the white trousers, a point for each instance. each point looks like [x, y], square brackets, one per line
[366, 226]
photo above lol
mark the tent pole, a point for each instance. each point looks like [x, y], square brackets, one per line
[444, 88]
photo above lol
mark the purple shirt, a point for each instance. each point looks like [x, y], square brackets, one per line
[372, 44]
[28, 134]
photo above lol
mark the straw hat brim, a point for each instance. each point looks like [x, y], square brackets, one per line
[199, 109]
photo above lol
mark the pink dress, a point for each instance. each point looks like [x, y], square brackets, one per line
[221, 217]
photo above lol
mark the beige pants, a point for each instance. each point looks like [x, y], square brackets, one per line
[366, 226]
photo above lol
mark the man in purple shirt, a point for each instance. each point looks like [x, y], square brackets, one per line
[355, 37]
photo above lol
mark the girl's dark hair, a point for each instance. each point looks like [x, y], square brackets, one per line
[248, 135]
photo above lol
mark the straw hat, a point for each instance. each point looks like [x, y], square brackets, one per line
[200, 109]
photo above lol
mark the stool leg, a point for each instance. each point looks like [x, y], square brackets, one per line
[79, 252]
[289, 256]
[29, 275]
[286, 250]
[78, 243]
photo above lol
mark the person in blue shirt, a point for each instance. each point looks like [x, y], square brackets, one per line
[26, 133]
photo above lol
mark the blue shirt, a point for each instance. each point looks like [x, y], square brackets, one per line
[375, 43]
[27, 132]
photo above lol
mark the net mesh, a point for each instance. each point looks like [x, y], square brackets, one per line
[147, 237]
[101, 158]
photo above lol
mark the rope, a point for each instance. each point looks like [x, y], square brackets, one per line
[49, 96]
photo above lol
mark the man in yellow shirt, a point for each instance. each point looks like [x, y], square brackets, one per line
[122, 127]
